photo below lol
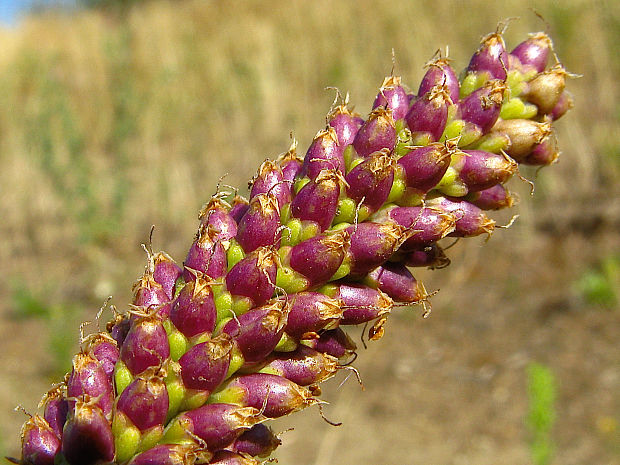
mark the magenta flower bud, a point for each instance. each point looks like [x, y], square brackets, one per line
[258, 441]
[273, 395]
[545, 153]
[105, 349]
[564, 104]
[493, 198]
[524, 135]
[146, 345]
[166, 272]
[56, 408]
[440, 73]
[270, 180]
[257, 332]
[87, 438]
[310, 313]
[378, 132]
[491, 57]
[334, 342]
[216, 215]
[260, 226]
[345, 123]
[193, 312]
[395, 280]
[471, 220]
[482, 107]
[148, 293]
[89, 378]
[206, 255]
[254, 276]
[290, 163]
[325, 153]
[362, 304]
[172, 454]
[431, 256]
[317, 201]
[304, 366]
[226, 457]
[546, 88]
[145, 401]
[425, 166]
[480, 170]
[425, 225]
[40, 443]
[371, 180]
[428, 114]
[372, 244]
[393, 95]
[204, 366]
[218, 425]
[239, 207]
[318, 258]
[534, 52]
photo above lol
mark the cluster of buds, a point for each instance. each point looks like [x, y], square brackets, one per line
[254, 319]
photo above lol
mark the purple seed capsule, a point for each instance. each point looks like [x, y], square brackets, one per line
[334, 342]
[119, 328]
[318, 258]
[88, 378]
[260, 226]
[545, 153]
[546, 88]
[204, 366]
[40, 443]
[105, 349]
[239, 207]
[370, 181]
[317, 201]
[440, 73]
[534, 52]
[428, 114]
[378, 132]
[273, 395]
[216, 215]
[346, 124]
[491, 57]
[471, 220]
[395, 280]
[423, 167]
[226, 457]
[145, 401]
[254, 276]
[257, 332]
[270, 180]
[493, 198]
[393, 95]
[372, 244]
[564, 104]
[217, 425]
[146, 345]
[290, 163]
[148, 293]
[193, 312]
[431, 256]
[425, 225]
[482, 107]
[479, 170]
[310, 313]
[304, 366]
[325, 153]
[172, 454]
[258, 441]
[165, 272]
[206, 255]
[524, 135]
[56, 408]
[87, 437]
[362, 303]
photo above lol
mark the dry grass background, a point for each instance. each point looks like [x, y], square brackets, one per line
[109, 125]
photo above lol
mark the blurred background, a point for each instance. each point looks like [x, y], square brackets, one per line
[115, 116]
